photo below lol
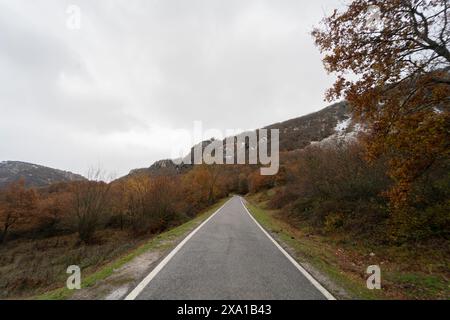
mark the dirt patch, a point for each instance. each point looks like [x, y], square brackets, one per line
[123, 280]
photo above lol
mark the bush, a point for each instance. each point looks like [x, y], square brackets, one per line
[334, 189]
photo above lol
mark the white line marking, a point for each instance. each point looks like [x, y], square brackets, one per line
[136, 291]
[316, 284]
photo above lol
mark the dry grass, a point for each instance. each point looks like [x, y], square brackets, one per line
[28, 267]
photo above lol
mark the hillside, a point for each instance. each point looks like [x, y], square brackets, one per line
[332, 122]
[33, 174]
[300, 132]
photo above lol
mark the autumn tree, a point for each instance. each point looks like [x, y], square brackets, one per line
[392, 62]
[90, 199]
[202, 185]
[163, 200]
[243, 184]
[258, 182]
[119, 203]
[136, 190]
[18, 206]
[152, 203]
[53, 209]
[213, 172]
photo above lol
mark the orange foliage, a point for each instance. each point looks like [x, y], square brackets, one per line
[258, 182]
[18, 207]
[401, 60]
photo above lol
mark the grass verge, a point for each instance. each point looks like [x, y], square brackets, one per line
[312, 251]
[406, 272]
[163, 241]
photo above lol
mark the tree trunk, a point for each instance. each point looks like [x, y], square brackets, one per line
[3, 235]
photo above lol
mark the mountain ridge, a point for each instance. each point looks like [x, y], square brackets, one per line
[323, 127]
[329, 124]
[34, 175]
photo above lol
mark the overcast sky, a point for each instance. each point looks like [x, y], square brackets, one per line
[117, 91]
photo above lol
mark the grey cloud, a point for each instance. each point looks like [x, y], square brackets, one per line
[111, 91]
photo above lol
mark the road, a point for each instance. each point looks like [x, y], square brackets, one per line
[228, 257]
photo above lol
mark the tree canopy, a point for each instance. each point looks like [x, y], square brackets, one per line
[392, 62]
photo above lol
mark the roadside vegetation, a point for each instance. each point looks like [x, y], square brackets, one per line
[90, 223]
[409, 271]
[331, 205]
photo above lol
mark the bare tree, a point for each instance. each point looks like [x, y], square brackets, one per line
[90, 204]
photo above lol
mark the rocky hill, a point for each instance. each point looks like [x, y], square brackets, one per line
[33, 174]
[161, 167]
[326, 126]
[300, 132]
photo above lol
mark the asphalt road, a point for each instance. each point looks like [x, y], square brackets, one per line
[230, 257]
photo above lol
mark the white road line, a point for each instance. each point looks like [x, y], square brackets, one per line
[316, 284]
[136, 291]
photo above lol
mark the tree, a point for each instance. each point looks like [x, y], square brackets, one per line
[90, 204]
[258, 182]
[19, 204]
[53, 209]
[202, 185]
[163, 199]
[152, 202]
[119, 203]
[392, 63]
[243, 184]
[137, 188]
[213, 173]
